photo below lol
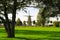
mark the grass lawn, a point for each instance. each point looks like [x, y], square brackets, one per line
[33, 33]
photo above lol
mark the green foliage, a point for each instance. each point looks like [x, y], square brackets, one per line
[38, 22]
[56, 23]
[19, 22]
[24, 23]
[39, 17]
[0, 21]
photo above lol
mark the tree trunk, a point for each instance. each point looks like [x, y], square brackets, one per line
[10, 29]
[7, 23]
[10, 32]
[7, 26]
[13, 19]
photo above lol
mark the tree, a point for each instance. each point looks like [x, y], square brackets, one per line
[10, 6]
[54, 4]
[50, 10]
[19, 22]
[29, 21]
[39, 18]
[0, 22]
[6, 20]
[24, 23]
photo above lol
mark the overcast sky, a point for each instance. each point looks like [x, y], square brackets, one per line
[32, 11]
[23, 15]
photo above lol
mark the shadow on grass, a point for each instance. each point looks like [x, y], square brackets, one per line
[31, 32]
[52, 35]
[36, 39]
[23, 38]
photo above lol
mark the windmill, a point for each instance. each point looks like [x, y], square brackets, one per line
[29, 22]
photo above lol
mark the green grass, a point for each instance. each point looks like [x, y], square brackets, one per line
[33, 33]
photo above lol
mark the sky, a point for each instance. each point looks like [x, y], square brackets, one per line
[32, 11]
[23, 15]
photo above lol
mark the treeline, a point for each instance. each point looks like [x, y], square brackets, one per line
[24, 23]
[34, 23]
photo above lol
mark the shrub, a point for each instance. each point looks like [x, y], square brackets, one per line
[24, 23]
[56, 23]
[19, 22]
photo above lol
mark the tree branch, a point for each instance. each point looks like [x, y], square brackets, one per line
[2, 19]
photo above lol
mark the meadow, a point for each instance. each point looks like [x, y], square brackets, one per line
[33, 33]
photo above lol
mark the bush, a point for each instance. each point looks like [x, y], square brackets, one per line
[24, 23]
[56, 23]
[19, 22]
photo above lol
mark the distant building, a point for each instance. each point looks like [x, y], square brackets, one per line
[52, 19]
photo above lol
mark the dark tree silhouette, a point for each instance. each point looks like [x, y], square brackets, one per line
[10, 6]
[19, 22]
